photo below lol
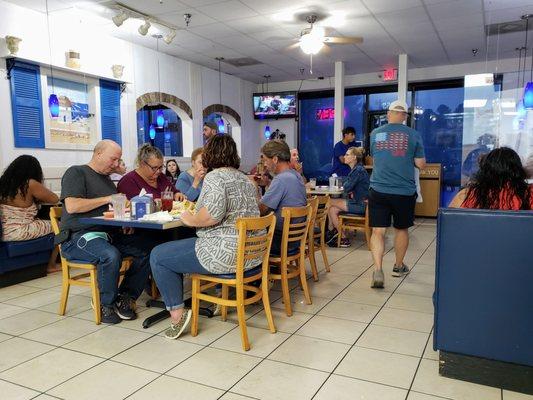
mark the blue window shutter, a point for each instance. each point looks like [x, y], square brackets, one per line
[26, 105]
[110, 110]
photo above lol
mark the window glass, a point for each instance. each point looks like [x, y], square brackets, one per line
[169, 138]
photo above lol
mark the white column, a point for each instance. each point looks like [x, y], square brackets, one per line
[402, 77]
[338, 124]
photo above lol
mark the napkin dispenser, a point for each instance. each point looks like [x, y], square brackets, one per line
[141, 205]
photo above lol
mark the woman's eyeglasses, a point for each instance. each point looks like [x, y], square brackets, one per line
[154, 169]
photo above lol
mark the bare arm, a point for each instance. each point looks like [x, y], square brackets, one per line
[459, 199]
[41, 193]
[420, 163]
[199, 220]
[75, 205]
[341, 158]
[264, 210]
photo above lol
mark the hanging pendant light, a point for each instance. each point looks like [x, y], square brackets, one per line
[267, 132]
[53, 105]
[528, 89]
[152, 132]
[221, 127]
[160, 119]
[53, 101]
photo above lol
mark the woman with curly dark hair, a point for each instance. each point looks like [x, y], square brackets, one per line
[499, 184]
[227, 194]
[21, 187]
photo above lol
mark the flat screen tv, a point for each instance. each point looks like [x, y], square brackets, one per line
[275, 105]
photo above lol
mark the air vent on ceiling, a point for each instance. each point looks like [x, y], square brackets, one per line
[507, 27]
[242, 62]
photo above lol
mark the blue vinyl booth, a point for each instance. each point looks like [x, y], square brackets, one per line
[484, 297]
[24, 260]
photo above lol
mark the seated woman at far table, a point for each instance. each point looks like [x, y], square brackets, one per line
[499, 184]
[355, 193]
[227, 194]
[21, 188]
[190, 182]
[148, 175]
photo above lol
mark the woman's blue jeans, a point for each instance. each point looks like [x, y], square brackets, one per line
[169, 261]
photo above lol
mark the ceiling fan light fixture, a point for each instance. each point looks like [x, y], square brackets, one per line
[311, 44]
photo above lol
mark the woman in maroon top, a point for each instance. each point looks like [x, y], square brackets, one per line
[148, 175]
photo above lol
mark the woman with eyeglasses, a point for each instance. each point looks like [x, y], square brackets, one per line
[147, 175]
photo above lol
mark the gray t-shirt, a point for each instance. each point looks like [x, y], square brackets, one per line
[227, 194]
[286, 190]
[81, 181]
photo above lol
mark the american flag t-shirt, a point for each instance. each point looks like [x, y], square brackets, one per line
[394, 142]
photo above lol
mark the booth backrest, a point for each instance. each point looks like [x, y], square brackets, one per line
[484, 284]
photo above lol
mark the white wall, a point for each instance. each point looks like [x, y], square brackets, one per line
[99, 51]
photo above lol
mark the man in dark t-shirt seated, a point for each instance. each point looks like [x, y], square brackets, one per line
[86, 192]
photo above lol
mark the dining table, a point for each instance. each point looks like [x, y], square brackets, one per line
[326, 190]
[143, 224]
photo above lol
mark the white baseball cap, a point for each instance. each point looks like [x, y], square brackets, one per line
[399, 105]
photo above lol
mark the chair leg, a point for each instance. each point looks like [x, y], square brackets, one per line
[266, 304]
[303, 280]
[285, 289]
[242, 318]
[312, 259]
[224, 309]
[368, 233]
[339, 236]
[96, 297]
[195, 305]
[65, 287]
[324, 256]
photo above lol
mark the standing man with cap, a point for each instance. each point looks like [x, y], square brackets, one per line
[395, 149]
[210, 130]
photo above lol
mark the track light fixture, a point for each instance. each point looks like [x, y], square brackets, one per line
[119, 19]
[143, 29]
[169, 37]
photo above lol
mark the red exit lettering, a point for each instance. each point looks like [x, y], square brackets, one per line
[390, 74]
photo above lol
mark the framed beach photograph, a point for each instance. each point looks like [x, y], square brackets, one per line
[78, 125]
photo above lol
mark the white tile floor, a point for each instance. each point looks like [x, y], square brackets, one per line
[353, 342]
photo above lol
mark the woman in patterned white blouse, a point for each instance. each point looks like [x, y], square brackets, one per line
[227, 194]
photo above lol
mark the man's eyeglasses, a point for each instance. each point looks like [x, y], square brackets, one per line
[154, 169]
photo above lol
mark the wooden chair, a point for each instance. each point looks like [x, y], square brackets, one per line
[250, 246]
[353, 222]
[78, 279]
[292, 263]
[319, 230]
[310, 241]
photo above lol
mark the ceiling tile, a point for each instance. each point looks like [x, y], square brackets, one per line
[198, 19]
[213, 31]
[227, 10]
[237, 41]
[411, 16]
[253, 24]
[155, 7]
[282, 7]
[383, 6]
[447, 10]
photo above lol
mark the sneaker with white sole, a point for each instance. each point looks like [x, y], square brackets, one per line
[378, 279]
[400, 271]
[176, 330]
[123, 307]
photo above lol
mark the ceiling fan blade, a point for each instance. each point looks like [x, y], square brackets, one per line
[325, 50]
[343, 40]
[293, 46]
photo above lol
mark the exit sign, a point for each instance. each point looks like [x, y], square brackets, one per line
[390, 74]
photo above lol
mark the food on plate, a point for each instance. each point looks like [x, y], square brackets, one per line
[180, 206]
[109, 214]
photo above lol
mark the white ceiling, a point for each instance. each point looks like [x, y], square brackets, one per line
[431, 32]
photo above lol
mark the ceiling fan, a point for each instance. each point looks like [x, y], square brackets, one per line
[313, 39]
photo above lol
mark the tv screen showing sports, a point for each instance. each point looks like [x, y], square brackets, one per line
[275, 105]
